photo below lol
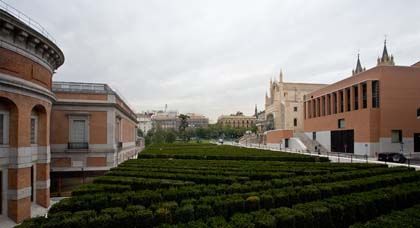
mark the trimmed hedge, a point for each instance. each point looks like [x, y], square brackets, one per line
[223, 186]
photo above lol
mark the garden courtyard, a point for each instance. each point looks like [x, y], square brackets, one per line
[207, 185]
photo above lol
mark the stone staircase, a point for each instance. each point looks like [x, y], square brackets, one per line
[309, 143]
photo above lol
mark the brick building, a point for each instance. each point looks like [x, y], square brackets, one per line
[28, 59]
[374, 110]
[92, 130]
[84, 128]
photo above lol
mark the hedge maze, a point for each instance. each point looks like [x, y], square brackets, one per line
[204, 185]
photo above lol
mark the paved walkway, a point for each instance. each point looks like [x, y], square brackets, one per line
[333, 157]
[36, 210]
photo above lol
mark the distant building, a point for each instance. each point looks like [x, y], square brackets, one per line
[197, 120]
[170, 120]
[284, 104]
[372, 111]
[92, 130]
[238, 120]
[166, 120]
[145, 121]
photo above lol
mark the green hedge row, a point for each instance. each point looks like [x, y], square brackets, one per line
[339, 211]
[194, 191]
[228, 205]
[300, 158]
[408, 218]
[137, 183]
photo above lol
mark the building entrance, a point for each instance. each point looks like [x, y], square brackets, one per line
[342, 141]
[416, 142]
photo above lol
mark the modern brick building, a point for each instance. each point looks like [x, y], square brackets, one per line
[28, 59]
[92, 130]
[372, 111]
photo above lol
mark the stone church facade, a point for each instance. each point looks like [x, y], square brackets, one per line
[284, 104]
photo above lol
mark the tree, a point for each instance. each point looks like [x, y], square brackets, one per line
[183, 125]
[170, 136]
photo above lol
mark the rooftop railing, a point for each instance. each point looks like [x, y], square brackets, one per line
[25, 19]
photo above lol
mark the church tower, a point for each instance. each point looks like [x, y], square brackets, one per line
[386, 60]
[359, 68]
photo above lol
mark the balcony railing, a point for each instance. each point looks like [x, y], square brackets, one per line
[25, 19]
[77, 145]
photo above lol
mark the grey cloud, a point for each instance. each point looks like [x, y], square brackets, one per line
[216, 57]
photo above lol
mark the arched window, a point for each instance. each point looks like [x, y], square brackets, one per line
[295, 122]
[418, 113]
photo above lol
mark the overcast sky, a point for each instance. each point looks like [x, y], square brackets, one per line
[217, 57]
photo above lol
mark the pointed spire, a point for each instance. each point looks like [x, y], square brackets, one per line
[385, 56]
[359, 67]
[386, 59]
[256, 111]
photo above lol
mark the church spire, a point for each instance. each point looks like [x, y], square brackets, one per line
[359, 68]
[256, 111]
[386, 59]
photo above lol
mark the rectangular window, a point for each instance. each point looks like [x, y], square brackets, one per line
[79, 131]
[314, 135]
[295, 109]
[341, 123]
[334, 103]
[318, 103]
[364, 95]
[2, 130]
[375, 94]
[356, 97]
[329, 104]
[396, 136]
[323, 106]
[348, 108]
[341, 97]
[295, 122]
[33, 130]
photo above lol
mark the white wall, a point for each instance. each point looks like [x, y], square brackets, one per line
[323, 138]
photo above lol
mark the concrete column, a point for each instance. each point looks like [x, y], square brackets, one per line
[346, 101]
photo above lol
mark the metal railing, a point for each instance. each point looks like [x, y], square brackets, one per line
[77, 145]
[25, 19]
